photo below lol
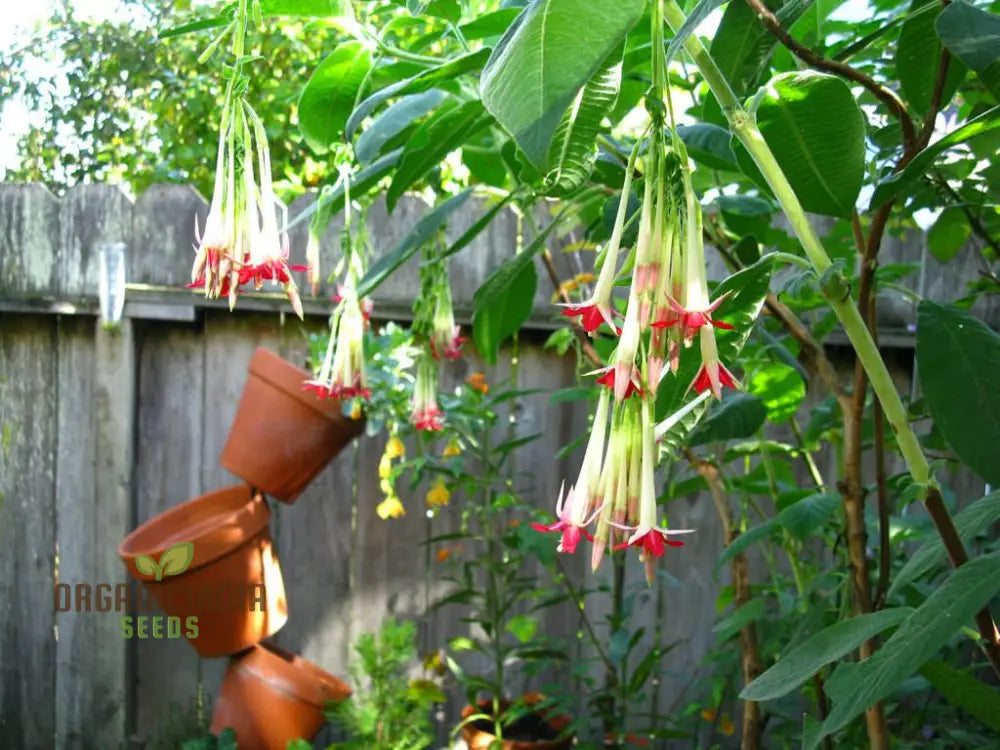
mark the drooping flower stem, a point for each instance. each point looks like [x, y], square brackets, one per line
[833, 285]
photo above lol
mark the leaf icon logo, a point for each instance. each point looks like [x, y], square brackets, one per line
[174, 561]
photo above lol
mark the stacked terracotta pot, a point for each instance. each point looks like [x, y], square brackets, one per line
[210, 562]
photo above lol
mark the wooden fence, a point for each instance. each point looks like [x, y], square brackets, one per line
[101, 430]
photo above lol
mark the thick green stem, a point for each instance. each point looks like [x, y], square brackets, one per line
[835, 288]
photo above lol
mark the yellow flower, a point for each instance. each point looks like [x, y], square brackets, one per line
[726, 726]
[584, 278]
[395, 448]
[443, 554]
[477, 381]
[390, 508]
[356, 410]
[452, 449]
[708, 714]
[438, 495]
[385, 467]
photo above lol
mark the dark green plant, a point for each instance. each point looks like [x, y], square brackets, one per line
[387, 710]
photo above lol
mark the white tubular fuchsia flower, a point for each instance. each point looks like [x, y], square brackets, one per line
[342, 375]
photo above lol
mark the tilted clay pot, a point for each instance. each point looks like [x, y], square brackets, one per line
[283, 436]
[270, 696]
[215, 563]
[479, 738]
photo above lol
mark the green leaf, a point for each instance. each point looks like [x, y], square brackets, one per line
[965, 691]
[803, 517]
[435, 138]
[855, 687]
[739, 415]
[895, 185]
[780, 388]
[226, 739]
[394, 121]
[401, 252]
[709, 145]
[223, 19]
[480, 224]
[747, 539]
[973, 36]
[551, 50]
[523, 627]
[307, 8]
[146, 565]
[742, 47]
[489, 24]
[917, 54]
[423, 692]
[813, 125]
[330, 93]
[959, 362]
[423, 81]
[726, 628]
[505, 300]
[176, 559]
[969, 522]
[449, 10]
[949, 232]
[573, 151]
[826, 646]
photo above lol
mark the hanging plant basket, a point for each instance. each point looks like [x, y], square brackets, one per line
[270, 696]
[211, 559]
[535, 731]
[283, 436]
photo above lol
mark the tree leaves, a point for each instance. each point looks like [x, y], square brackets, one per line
[917, 54]
[826, 646]
[330, 93]
[965, 691]
[443, 132]
[948, 233]
[817, 133]
[855, 687]
[739, 415]
[394, 121]
[573, 149]
[552, 49]
[959, 358]
[973, 36]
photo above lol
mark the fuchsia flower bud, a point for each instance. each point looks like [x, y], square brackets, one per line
[424, 411]
[342, 375]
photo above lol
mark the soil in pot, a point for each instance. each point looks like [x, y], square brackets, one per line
[283, 436]
[270, 696]
[218, 573]
[533, 731]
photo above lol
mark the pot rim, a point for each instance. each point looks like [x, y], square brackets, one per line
[557, 721]
[242, 516]
[278, 372]
[290, 674]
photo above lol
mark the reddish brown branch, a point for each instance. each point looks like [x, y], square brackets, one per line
[808, 56]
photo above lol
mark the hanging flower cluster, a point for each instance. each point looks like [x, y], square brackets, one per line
[342, 374]
[242, 245]
[435, 329]
[668, 308]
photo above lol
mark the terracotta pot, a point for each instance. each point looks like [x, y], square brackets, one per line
[270, 696]
[232, 585]
[478, 739]
[283, 436]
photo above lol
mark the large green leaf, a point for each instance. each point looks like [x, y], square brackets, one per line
[780, 388]
[958, 360]
[545, 58]
[709, 145]
[573, 151]
[917, 54]
[330, 93]
[489, 24]
[505, 300]
[738, 416]
[813, 125]
[429, 224]
[422, 81]
[973, 36]
[394, 121]
[948, 233]
[742, 47]
[804, 516]
[969, 522]
[855, 687]
[828, 645]
[444, 131]
[965, 691]
[747, 539]
[895, 185]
